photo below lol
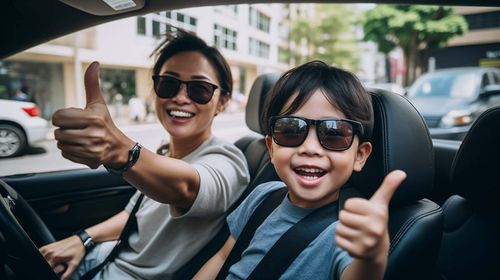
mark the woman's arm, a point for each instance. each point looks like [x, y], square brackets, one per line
[90, 137]
[211, 268]
[70, 251]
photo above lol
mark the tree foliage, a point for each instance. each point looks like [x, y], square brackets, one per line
[414, 29]
[328, 34]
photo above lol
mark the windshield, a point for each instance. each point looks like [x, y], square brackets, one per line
[461, 85]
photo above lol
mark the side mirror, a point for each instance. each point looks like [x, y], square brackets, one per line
[490, 90]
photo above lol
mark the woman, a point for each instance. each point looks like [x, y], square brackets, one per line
[187, 190]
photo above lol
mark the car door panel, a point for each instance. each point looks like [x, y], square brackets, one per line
[444, 154]
[71, 200]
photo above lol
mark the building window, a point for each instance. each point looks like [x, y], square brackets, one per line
[141, 25]
[484, 20]
[259, 20]
[156, 29]
[258, 48]
[155, 24]
[224, 37]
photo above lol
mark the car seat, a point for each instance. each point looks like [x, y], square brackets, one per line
[471, 245]
[400, 140]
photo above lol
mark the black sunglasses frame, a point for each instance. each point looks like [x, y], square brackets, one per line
[193, 96]
[357, 128]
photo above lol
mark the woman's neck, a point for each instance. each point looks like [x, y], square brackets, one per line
[179, 148]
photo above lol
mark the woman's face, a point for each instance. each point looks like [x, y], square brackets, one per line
[180, 116]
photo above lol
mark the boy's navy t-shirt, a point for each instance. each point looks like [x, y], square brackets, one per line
[322, 259]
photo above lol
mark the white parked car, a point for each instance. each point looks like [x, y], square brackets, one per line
[20, 127]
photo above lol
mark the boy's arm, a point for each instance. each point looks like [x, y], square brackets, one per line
[211, 268]
[362, 230]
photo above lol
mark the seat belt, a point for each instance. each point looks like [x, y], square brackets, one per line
[122, 241]
[292, 242]
[259, 215]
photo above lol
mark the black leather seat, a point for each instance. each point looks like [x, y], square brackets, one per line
[471, 234]
[400, 140]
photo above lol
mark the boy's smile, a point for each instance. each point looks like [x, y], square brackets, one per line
[313, 174]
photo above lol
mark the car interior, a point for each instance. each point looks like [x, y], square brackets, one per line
[443, 222]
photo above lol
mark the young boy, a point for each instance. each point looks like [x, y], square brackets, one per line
[319, 122]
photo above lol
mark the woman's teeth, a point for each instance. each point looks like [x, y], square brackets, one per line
[179, 114]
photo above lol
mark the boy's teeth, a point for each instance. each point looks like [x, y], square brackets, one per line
[310, 170]
[310, 173]
[180, 114]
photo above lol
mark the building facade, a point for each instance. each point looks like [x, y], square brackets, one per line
[481, 43]
[247, 35]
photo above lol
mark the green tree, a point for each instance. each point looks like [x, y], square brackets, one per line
[414, 29]
[328, 34]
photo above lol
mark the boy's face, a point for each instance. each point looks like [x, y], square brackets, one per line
[313, 174]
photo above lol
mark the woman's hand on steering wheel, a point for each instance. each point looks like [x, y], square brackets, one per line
[64, 255]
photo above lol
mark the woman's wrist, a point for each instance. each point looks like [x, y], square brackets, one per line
[132, 157]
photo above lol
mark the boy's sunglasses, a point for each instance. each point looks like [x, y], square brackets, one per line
[333, 134]
[200, 92]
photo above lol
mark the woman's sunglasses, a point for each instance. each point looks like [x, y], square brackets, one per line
[200, 92]
[333, 134]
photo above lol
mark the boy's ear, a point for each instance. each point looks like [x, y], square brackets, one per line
[269, 145]
[364, 151]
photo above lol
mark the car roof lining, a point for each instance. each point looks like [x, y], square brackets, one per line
[29, 23]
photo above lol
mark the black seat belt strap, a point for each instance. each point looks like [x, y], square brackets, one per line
[294, 241]
[259, 215]
[122, 241]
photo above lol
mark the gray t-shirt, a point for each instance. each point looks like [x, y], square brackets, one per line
[166, 239]
[322, 259]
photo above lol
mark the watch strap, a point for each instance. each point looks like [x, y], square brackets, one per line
[133, 156]
[86, 239]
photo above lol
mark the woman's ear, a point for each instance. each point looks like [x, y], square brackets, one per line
[223, 101]
[364, 151]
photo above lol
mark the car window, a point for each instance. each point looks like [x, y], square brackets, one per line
[496, 78]
[454, 84]
[485, 80]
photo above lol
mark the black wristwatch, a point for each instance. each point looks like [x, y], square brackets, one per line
[133, 156]
[87, 241]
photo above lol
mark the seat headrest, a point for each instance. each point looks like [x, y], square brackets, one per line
[400, 140]
[475, 172]
[255, 104]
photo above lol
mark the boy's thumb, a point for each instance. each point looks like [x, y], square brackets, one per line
[91, 80]
[388, 187]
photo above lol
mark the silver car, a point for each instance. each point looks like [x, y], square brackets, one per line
[451, 99]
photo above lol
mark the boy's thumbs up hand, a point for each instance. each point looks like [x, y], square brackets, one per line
[362, 228]
[89, 136]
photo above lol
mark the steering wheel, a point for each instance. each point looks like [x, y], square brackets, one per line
[19, 222]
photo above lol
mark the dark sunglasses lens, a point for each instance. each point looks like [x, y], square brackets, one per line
[166, 87]
[335, 135]
[289, 132]
[200, 92]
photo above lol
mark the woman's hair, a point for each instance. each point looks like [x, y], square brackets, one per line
[178, 41]
[342, 89]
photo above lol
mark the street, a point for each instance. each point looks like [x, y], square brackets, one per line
[45, 156]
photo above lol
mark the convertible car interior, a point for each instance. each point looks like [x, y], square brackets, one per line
[443, 219]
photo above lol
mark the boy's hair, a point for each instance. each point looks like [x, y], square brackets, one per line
[342, 89]
[178, 40]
